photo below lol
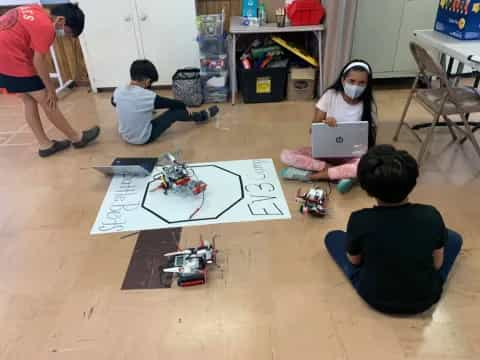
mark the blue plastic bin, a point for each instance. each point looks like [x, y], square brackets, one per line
[249, 8]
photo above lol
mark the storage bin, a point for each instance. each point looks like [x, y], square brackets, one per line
[249, 8]
[215, 87]
[211, 46]
[214, 64]
[263, 85]
[305, 12]
[210, 25]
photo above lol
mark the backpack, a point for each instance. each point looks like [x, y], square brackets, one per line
[187, 86]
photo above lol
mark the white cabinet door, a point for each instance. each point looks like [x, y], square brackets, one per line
[109, 41]
[418, 14]
[168, 35]
[376, 33]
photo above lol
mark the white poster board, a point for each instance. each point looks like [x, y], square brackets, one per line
[243, 190]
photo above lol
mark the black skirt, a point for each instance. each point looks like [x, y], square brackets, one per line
[15, 84]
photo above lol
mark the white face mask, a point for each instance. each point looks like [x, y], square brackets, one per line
[353, 91]
[60, 32]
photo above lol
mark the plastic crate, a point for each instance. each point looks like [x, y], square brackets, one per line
[305, 12]
[213, 81]
[212, 46]
[210, 25]
[214, 64]
[263, 85]
[215, 87]
[219, 95]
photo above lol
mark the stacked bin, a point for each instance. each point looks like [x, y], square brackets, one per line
[213, 58]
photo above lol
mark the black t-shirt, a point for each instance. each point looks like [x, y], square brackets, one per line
[397, 273]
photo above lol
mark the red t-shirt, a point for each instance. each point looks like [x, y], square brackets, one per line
[24, 30]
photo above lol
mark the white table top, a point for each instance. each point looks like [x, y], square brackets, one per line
[236, 27]
[465, 51]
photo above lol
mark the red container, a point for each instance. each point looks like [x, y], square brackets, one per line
[305, 12]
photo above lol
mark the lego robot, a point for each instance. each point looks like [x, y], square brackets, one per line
[191, 264]
[312, 202]
[176, 177]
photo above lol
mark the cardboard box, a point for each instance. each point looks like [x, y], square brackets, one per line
[301, 84]
[459, 19]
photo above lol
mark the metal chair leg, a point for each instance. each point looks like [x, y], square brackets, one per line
[450, 127]
[405, 109]
[476, 82]
[470, 135]
[428, 139]
[474, 128]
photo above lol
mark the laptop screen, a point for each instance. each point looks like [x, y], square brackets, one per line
[346, 140]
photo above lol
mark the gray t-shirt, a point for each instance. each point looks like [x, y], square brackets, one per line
[134, 106]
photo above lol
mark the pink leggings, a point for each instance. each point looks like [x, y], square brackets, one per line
[302, 159]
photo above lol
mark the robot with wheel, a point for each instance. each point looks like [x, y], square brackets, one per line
[191, 265]
[177, 177]
[312, 202]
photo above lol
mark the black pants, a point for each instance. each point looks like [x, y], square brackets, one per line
[336, 244]
[162, 122]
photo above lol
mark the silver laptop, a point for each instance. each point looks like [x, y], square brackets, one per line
[132, 170]
[129, 166]
[342, 141]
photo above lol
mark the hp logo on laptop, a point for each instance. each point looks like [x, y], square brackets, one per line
[339, 140]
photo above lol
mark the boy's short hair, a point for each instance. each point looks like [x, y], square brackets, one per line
[74, 17]
[387, 174]
[142, 70]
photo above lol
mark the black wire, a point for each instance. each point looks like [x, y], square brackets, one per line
[330, 189]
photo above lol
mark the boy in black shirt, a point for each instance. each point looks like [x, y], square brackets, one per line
[397, 255]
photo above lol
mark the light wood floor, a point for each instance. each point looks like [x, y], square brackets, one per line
[279, 296]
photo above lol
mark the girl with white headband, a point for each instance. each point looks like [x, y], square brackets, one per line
[349, 99]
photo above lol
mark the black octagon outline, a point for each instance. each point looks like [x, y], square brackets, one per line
[197, 219]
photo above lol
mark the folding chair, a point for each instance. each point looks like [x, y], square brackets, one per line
[440, 102]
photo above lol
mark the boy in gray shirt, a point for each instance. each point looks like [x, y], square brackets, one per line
[135, 105]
